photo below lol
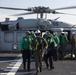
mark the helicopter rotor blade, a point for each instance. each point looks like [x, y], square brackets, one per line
[23, 14]
[10, 8]
[41, 10]
[71, 7]
[64, 13]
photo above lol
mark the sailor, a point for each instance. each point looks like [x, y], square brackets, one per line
[39, 44]
[48, 56]
[63, 43]
[32, 37]
[26, 50]
[57, 41]
[73, 43]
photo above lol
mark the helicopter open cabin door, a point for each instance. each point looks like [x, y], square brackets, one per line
[68, 33]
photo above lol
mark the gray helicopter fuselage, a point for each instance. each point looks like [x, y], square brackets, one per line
[11, 32]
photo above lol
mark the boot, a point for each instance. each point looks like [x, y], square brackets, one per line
[40, 69]
[37, 72]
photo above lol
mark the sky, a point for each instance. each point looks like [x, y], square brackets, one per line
[52, 4]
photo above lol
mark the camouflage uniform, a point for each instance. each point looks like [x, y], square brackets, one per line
[39, 44]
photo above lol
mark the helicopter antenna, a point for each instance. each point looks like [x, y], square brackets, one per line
[57, 18]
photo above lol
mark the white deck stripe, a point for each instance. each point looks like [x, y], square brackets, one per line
[11, 64]
[15, 67]
[3, 74]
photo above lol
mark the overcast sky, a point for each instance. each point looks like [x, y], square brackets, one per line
[32, 3]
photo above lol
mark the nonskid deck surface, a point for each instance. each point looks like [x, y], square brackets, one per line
[11, 64]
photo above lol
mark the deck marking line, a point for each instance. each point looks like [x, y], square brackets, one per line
[15, 67]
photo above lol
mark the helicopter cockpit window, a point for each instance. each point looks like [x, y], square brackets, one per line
[4, 27]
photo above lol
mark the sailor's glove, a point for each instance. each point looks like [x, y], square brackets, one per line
[46, 47]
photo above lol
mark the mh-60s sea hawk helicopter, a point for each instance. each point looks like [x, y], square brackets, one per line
[11, 32]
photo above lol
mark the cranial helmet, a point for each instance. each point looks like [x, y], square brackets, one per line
[28, 32]
[63, 32]
[55, 33]
[32, 32]
[37, 32]
[73, 33]
[47, 32]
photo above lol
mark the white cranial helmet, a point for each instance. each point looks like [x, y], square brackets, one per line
[37, 32]
[73, 33]
[32, 32]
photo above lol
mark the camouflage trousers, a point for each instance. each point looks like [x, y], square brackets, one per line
[38, 59]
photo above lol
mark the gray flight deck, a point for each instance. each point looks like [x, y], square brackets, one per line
[11, 64]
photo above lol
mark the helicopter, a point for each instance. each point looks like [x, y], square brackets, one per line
[11, 32]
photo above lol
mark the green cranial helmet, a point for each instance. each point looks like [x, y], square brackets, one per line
[28, 33]
[50, 35]
[47, 32]
[55, 33]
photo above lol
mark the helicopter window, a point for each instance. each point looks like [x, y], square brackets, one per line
[55, 23]
[4, 27]
[17, 26]
[8, 37]
[19, 36]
